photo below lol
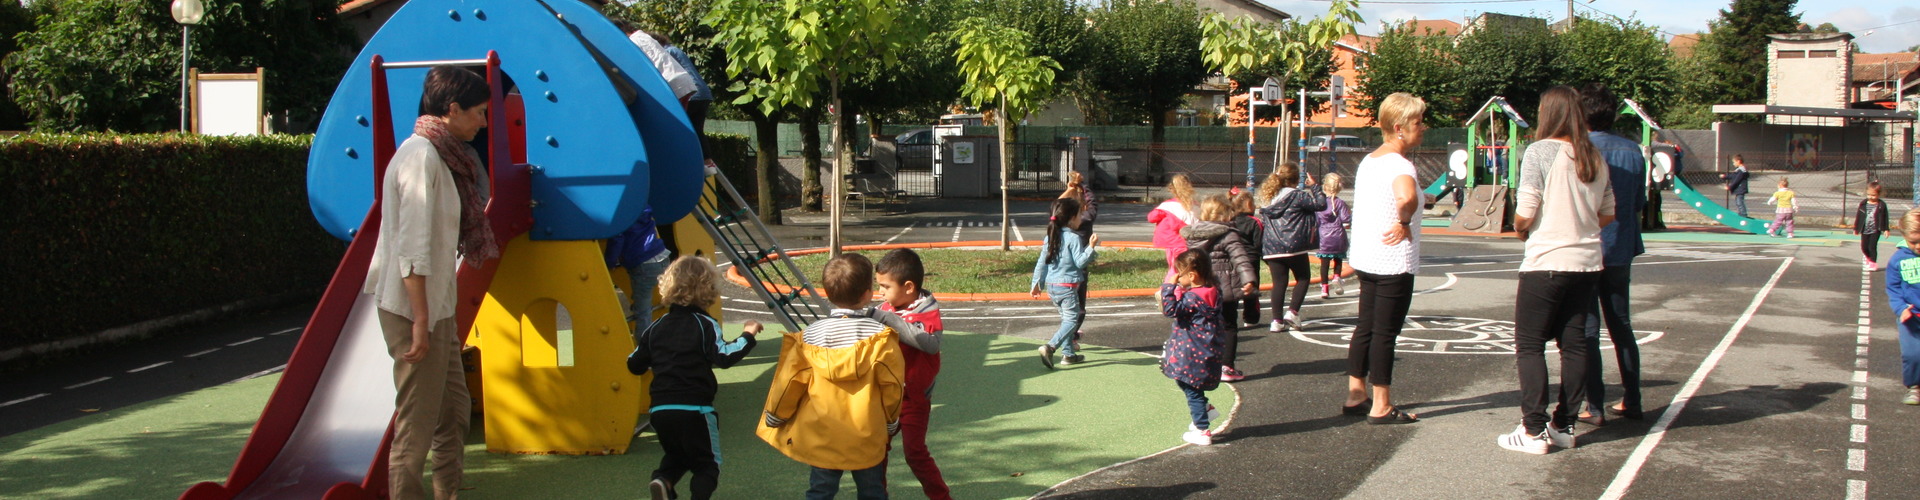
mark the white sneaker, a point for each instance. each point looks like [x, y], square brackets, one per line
[1339, 285]
[1560, 438]
[1275, 327]
[659, 490]
[1197, 436]
[1292, 320]
[1520, 441]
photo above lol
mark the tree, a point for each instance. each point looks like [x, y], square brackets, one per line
[788, 50]
[1245, 50]
[1515, 61]
[1422, 64]
[999, 65]
[925, 80]
[1627, 56]
[105, 64]
[1144, 57]
[1733, 55]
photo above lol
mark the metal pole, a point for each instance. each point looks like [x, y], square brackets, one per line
[1303, 126]
[1250, 137]
[185, 49]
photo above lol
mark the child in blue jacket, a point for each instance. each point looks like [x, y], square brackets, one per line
[1191, 356]
[1903, 293]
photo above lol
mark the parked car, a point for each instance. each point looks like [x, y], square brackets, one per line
[1338, 143]
[914, 149]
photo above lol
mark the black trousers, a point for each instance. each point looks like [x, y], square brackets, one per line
[697, 116]
[1870, 245]
[1229, 331]
[688, 437]
[1281, 267]
[1613, 308]
[1552, 305]
[1384, 300]
[1250, 305]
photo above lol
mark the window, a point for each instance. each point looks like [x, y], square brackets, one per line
[1791, 54]
[1822, 53]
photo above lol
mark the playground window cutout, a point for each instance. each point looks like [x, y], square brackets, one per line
[1442, 335]
[546, 335]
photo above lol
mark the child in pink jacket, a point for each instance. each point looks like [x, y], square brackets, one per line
[1170, 217]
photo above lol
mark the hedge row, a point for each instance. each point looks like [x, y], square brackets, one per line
[108, 230]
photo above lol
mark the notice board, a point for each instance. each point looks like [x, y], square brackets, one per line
[229, 103]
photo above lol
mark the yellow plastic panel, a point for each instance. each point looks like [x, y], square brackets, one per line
[534, 405]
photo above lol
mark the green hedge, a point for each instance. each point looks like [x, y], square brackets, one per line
[108, 230]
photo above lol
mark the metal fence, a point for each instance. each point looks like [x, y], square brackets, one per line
[1826, 185]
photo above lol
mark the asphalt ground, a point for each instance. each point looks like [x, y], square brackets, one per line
[1761, 343]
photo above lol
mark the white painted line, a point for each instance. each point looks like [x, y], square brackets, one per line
[1515, 270]
[284, 332]
[203, 353]
[1859, 411]
[1856, 459]
[1865, 329]
[261, 373]
[956, 232]
[1859, 376]
[1860, 363]
[23, 400]
[148, 367]
[247, 341]
[1862, 340]
[1860, 351]
[903, 232]
[1025, 308]
[1856, 489]
[87, 383]
[1016, 230]
[1631, 469]
[1859, 434]
[1859, 392]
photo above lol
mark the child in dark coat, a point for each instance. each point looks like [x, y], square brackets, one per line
[1246, 223]
[681, 350]
[1191, 356]
[1290, 233]
[1869, 222]
[1237, 267]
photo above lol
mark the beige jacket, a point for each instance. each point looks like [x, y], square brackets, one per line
[419, 232]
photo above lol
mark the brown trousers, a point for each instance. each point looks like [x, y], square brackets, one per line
[433, 411]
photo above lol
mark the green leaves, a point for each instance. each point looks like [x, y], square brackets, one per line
[783, 51]
[997, 61]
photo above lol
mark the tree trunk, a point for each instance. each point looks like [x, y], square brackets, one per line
[1156, 165]
[1006, 163]
[810, 158]
[842, 156]
[766, 164]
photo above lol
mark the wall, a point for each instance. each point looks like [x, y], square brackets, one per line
[1801, 73]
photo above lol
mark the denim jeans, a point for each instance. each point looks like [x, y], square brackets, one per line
[641, 285]
[1909, 353]
[1613, 306]
[1072, 313]
[869, 483]
[1740, 204]
[1196, 404]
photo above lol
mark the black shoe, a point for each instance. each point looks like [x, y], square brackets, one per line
[1393, 417]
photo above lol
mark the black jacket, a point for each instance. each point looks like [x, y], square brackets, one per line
[681, 349]
[1737, 182]
[1871, 218]
[1291, 224]
[1233, 262]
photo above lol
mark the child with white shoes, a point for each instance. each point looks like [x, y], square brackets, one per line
[1191, 356]
[1334, 222]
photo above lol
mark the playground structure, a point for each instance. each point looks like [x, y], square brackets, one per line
[1484, 171]
[583, 134]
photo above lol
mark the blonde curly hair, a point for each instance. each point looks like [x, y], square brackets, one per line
[690, 281]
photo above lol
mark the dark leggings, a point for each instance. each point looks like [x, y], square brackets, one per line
[1250, 305]
[1384, 300]
[1335, 262]
[1229, 332]
[1296, 264]
[1870, 245]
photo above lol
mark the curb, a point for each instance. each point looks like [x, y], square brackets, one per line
[733, 272]
[148, 328]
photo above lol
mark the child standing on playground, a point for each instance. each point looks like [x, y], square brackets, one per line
[1236, 267]
[1903, 294]
[836, 395]
[1334, 221]
[641, 251]
[1869, 221]
[1289, 215]
[1170, 217]
[1191, 356]
[1785, 205]
[1062, 269]
[1246, 224]
[901, 279]
[681, 350]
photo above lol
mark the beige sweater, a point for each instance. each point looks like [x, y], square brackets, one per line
[1566, 212]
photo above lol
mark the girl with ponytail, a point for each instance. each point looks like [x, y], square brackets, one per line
[1062, 268]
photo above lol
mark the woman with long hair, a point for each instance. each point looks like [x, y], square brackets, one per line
[1565, 198]
[1385, 254]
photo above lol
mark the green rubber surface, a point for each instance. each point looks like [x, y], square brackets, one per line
[1003, 427]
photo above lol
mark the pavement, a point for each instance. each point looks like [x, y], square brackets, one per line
[1770, 371]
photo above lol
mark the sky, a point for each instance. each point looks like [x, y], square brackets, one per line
[1671, 16]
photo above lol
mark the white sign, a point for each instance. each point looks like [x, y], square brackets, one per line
[963, 153]
[229, 104]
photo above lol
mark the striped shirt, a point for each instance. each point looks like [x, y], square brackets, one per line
[846, 327]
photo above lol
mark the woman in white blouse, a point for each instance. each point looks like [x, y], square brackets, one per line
[1385, 253]
[1565, 198]
[432, 213]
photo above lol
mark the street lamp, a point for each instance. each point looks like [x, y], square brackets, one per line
[187, 13]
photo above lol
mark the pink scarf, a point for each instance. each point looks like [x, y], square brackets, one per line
[476, 235]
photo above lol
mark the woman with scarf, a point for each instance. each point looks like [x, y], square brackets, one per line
[432, 211]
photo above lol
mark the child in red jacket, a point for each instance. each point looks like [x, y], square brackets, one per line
[1170, 217]
[900, 279]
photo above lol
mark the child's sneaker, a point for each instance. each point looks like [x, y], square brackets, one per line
[1339, 285]
[1198, 436]
[1561, 438]
[1871, 266]
[1228, 374]
[1292, 320]
[1046, 356]
[1326, 290]
[1913, 396]
[1072, 360]
[1520, 441]
[1276, 327]
[660, 490]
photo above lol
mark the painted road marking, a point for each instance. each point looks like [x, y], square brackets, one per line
[23, 400]
[1859, 411]
[1631, 469]
[203, 353]
[903, 232]
[956, 233]
[236, 344]
[284, 332]
[1859, 376]
[1856, 459]
[87, 383]
[1440, 335]
[1016, 230]
[1858, 434]
[1859, 392]
[148, 367]
[1856, 489]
